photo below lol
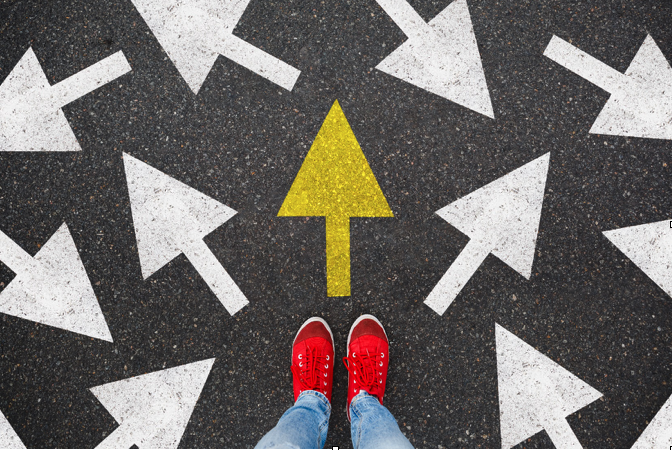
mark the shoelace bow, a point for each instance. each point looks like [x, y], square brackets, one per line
[309, 375]
[365, 369]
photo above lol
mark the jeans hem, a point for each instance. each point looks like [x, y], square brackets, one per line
[319, 395]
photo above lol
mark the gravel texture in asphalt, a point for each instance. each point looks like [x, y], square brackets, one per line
[242, 140]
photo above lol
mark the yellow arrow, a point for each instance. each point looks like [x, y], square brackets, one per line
[336, 182]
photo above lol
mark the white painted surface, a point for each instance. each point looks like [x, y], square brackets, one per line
[52, 288]
[535, 394]
[153, 410]
[501, 218]
[170, 218]
[441, 57]
[194, 32]
[649, 246]
[659, 432]
[31, 118]
[8, 437]
[641, 99]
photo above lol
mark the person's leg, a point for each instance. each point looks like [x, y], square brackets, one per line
[372, 425]
[305, 424]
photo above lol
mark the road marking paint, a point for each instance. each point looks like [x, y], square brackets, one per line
[193, 33]
[658, 434]
[441, 57]
[649, 246]
[31, 118]
[501, 218]
[535, 393]
[171, 218]
[153, 410]
[52, 288]
[8, 437]
[641, 99]
[335, 181]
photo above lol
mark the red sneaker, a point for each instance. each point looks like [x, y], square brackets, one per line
[367, 359]
[313, 358]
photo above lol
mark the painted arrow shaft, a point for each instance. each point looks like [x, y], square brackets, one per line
[458, 274]
[585, 66]
[561, 433]
[216, 277]
[404, 16]
[89, 79]
[258, 61]
[13, 256]
[338, 256]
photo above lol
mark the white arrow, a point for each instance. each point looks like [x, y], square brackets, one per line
[171, 218]
[641, 99]
[441, 56]
[501, 218]
[52, 288]
[8, 437]
[649, 246]
[194, 32]
[659, 432]
[153, 410]
[31, 119]
[536, 394]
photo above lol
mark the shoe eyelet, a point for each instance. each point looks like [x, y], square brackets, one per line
[355, 381]
[325, 375]
[354, 355]
[380, 373]
[355, 372]
[381, 364]
[327, 357]
[382, 355]
[325, 383]
[326, 366]
[300, 356]
[301, 364]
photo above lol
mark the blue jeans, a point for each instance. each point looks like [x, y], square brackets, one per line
[305, 424]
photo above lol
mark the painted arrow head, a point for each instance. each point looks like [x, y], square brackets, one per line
[505, 214]
[8, 437]
[649, 246]
[335, 179]
[191, 58]
[167, 215]
[533, 389]
[195, 32]
[643, 108]
[57, 291]
[444, 60]
[27, 121]
[153, 410]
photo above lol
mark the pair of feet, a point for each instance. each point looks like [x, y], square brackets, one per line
[366, 361]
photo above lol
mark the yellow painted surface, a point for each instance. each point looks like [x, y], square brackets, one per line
[336, 181]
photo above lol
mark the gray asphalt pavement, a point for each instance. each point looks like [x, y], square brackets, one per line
[242, 139]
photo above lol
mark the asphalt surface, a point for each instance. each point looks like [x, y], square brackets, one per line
[242, 140]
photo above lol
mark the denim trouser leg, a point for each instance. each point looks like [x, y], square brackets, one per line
[373, 426]
[304, 425]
